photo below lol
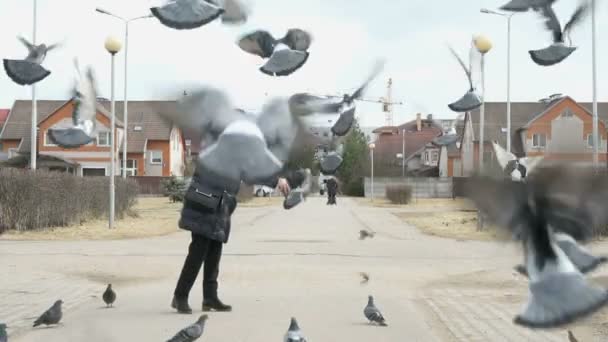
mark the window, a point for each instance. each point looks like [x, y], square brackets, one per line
[137, 128]
[590, 140]
[131, 167]
[435, 156]
[539, 140]
[156, 157]
[188, 142]
[567, 114]
[103, 139]
[47, 139]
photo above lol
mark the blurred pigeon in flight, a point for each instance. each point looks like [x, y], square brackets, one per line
[364, 277]
[366, 234]
[553, 200]
[524, 5]
[191, 14]
[84, 122]
[372, 313]
[285, 55]
[294, 334]
[450, 136]
[299, 194]
[29, 70]
[471, 100]
[51, 316]
[571, 337]
[239, 145]
[516, 168]
[192, 332]
[331, 162]
[109, 296]
[3, 334]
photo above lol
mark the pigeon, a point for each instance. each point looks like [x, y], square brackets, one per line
[29, 70]
[365, 277]
[471, 100]
[191, 14]
[372, 313]
[331, 161]
[524, 5]
[450, 136]
[237, 144]
[298, 195]
[109, 296]
[294, 334]
[84, 122]
[555, 199]
[3, 335]
[516, 168]
[285, 55]
[366, 234]
[51, 316]
[191, 332]
[584, 261]
[571, 337]
[558, 51]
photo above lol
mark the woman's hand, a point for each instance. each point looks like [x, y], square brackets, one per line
[283, 186]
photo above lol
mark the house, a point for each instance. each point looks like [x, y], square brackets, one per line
[558, 128]
[154, 147]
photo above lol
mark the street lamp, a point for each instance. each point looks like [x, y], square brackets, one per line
[371, 149]
[112, 45]
[34, 128]
[594, 72]
[125, 100]
[508, 16]
[403, 153]
[483, 45]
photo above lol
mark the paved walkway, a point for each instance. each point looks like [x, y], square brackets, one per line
[278, 264]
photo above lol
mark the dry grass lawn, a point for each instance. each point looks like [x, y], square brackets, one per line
[421, 203]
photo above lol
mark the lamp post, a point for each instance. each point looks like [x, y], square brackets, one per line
[371, 150]
[112, 45]
[125, 100]
[508, 16]
[34, 129]
[594, 72]
[403, 153]
[483, 45]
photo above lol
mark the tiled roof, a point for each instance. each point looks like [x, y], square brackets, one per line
[3, 115]
[387, 146]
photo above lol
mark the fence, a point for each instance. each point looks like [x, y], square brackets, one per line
[422, 187]
[151, 185]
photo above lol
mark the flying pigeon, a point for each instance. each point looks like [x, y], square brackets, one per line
[365, 234]
[516, 168]
[582, 259]
[84, 122]
[331, 161]
[471, 100]
[109, 296]
[191, 14]
[29, 70]
[372, 313]
[294, 334]
[365, 277]
[553, 200]
[450, 136]
[571, 337]
[285, 55]
[51, 316]
[191, 332]
[524, 5]
[237, 144]
[298, 195]
[558, 51]
[3, 335]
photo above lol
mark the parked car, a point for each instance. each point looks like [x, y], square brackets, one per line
[262, 191]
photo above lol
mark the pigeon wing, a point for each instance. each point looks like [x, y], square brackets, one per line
[530, 162]
[551, 22]
[279, 127]
[259, 43]
[297, 39]
[579, 14]
[235, 12]
[467, 71]
[30, 47]
[502, 155]
[378, 67]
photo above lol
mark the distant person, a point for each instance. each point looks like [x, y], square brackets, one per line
[332, 190]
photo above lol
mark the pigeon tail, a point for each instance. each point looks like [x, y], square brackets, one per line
[551, 55]
[293, 325]
[284, 62]
[24, 72]
[466, 103]
[177, 16]
[559, 299]
[583, 260]
[69, 137]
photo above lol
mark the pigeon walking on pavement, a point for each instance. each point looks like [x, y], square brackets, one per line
[29, 70]
[284, 56]
[109, 296]
[372, 313]
[557, 199]
[191, 14]
[470, 100]
[3, 334]
[294, 334]
[84, 123]
[192, 332]
[51, 316]
[364, 277]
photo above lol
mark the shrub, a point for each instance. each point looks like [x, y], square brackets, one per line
[175, 188]
[36, 200]
[399, 194]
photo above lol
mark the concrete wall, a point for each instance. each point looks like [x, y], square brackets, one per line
[422, 187]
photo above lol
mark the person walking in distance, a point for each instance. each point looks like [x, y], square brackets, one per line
[332, 189]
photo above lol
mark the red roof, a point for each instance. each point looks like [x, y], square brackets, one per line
[3, 115]
[387, 146]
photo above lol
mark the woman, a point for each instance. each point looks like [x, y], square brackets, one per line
[208, 206]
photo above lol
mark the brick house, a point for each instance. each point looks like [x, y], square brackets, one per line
[155, 147]
[557, 128]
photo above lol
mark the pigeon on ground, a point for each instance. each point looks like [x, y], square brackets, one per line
[294, 334]
[3, 334]
[84, 122]
[554, 199]
[237, 144]
[191, 14]
[372, 313]
[471, 100]
[450, 136]
[109, 296]
[51, 316]
[365, 277]
[366, 234]
[299, 194]
[29, 70]
[516, 168]
[571, 337]
[582, 259]
[285, 55]
[191, 332]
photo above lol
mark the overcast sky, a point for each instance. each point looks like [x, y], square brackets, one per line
[348, 36]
